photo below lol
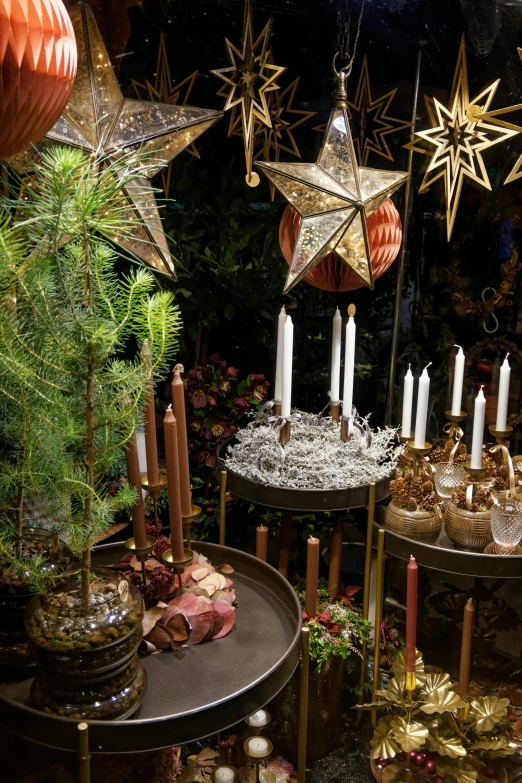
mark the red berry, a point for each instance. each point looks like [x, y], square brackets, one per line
[396, 644]
[490, 771]
[431, 767]
[412, 755]
[420, 759]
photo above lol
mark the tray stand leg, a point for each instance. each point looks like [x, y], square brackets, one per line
[83, 753]
[366, 592]
[379, 597]
[336, 553]
[222, 506]
[303, 706]
[285, 541]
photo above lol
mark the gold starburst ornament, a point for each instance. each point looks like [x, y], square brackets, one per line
[333, 198]
[98, 118]
[457, 139]
[248, 82]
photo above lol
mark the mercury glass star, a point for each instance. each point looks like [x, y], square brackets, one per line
[458, 138]
[99, 118]
[249, 80]
[333, 197]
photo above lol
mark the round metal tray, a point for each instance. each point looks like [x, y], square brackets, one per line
[290, 499]
[443, 556]
[195, 693]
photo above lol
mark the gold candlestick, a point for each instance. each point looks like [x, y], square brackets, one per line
[257, 756]
[189, 521]
[258, 727]
[454, 421]
[178, 566]
[232, 777]
[476, 474]
[141, 553]
[501, 436]
[154, 490]
[418, 453]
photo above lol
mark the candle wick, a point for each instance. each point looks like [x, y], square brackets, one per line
[458, 346]
[428, 365]
[506, 356]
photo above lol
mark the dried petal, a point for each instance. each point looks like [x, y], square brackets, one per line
[160, 637]
[229, 616]
[200, 573]
[200, 625]
[226, 568]
[179, 627]
[150, 618]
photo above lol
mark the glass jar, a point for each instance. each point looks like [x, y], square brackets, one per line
[448, 476]
[87, 661]
[506, 527]
[15, 592]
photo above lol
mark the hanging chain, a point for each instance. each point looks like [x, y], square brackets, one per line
[343, 33]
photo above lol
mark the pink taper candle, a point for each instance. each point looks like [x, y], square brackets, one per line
[171, 458]
[178, 404]
[151, 446]
[411, 614]
[138, 511]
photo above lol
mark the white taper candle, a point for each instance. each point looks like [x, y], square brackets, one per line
[421, 418]
[503, 395]
[349, 368]
[278, 388]
[335, 375]
[458, 381]
[288, 350]
[478, 430]
[407, 404]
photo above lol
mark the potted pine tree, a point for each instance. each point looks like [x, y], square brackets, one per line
[85, 630]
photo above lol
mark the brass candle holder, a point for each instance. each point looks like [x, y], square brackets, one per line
[335, 410]
[178, 566]
[141, 553]
[277, 407]
[476, 474]
[189, 521]
[285, 433]
[418, 453]
[224, 774]
[345, 429]
[257, 757]
[258, 727]
[501, 436]
[454, 421]
[154, 490]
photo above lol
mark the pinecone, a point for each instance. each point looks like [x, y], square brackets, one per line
[490, 465]
[490, 503]
[416, 488]
[459, 499]
[412, 504]
[475, 507]
[427, 487]
[461, 459]
[400, 492]
[403, 461]
[481, 496]
[502, 472]
[461, 449]
[448, 446]
[500, 484]
[437, 455]
[430, 501]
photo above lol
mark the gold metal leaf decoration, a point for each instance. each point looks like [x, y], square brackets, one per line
[446, 742]
[409, 734]
[487, 711]
[396, 773]
[460, 772]
[394, 691]
[383, 743]
[442, 700]
[399, 669]
[499, 746]
[435, 681]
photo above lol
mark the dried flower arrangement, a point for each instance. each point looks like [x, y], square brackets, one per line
[314, 458]
[461, 737]
[414, 493]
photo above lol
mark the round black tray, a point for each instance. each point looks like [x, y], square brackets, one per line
[290, 499]
[195, 693]
[443, 556]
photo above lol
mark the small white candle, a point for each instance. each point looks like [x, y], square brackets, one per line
[407, 403]
[478, 430]
[258, 747]
[503, 396]
[335, 376]
[258, 718]
[421, 419]
[278, 388]
[458, 381]
[349, 368]
[288, 351]
[224, 774]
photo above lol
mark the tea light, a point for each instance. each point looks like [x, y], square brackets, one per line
[224, 775]
[259, 718]
[258, 747]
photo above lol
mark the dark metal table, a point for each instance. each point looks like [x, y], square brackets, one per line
[200, 691]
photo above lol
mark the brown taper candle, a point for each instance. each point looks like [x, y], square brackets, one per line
[465, 649]
[171, 458]
[411, 614]
[134, 477]
[178, 403]
[151, 446]
[312, 575]
[262, 542]
[336, 552]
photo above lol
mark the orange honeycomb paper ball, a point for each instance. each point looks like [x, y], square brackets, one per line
[37, 69]
[332, 274]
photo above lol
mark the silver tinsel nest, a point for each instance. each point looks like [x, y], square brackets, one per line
[314, 458]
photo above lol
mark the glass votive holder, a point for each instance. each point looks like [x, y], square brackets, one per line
[224, 774]
[506, 528]
[448, 476]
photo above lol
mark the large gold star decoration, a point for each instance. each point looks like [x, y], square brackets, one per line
[279, 137]
[371, 122]
[249, 80]
[492, 116]
[333, 197]
[458, 138]
[165, 90]
[99, 118]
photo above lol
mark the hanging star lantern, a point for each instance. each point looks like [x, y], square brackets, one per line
[333, 198]
[493, 117]
[371, 122]
[279, 137]
[165, 90]
[458, 138]
[249, 80]
[98, 118]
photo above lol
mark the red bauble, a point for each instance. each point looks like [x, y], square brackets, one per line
[420, 759]
[37, 70]
[332, 273]
[431, 767]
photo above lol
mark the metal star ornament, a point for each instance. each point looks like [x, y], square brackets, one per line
[458, 138]
[249, 80]
[99, 118]
[165, 90]
[371, 122]
[333, 198]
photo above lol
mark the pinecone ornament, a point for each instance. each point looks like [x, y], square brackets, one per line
[416, 488]
[437, 455]
[490, 465]
[490, 503]
[448, 446]
[459, 499]
[475, 507]
[502, 472]
[412, 504]
[400, 492]
[430, 501]
[403, 461]
[427, 487]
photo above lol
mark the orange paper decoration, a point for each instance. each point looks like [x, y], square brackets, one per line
[331, 273]
[37, 69]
